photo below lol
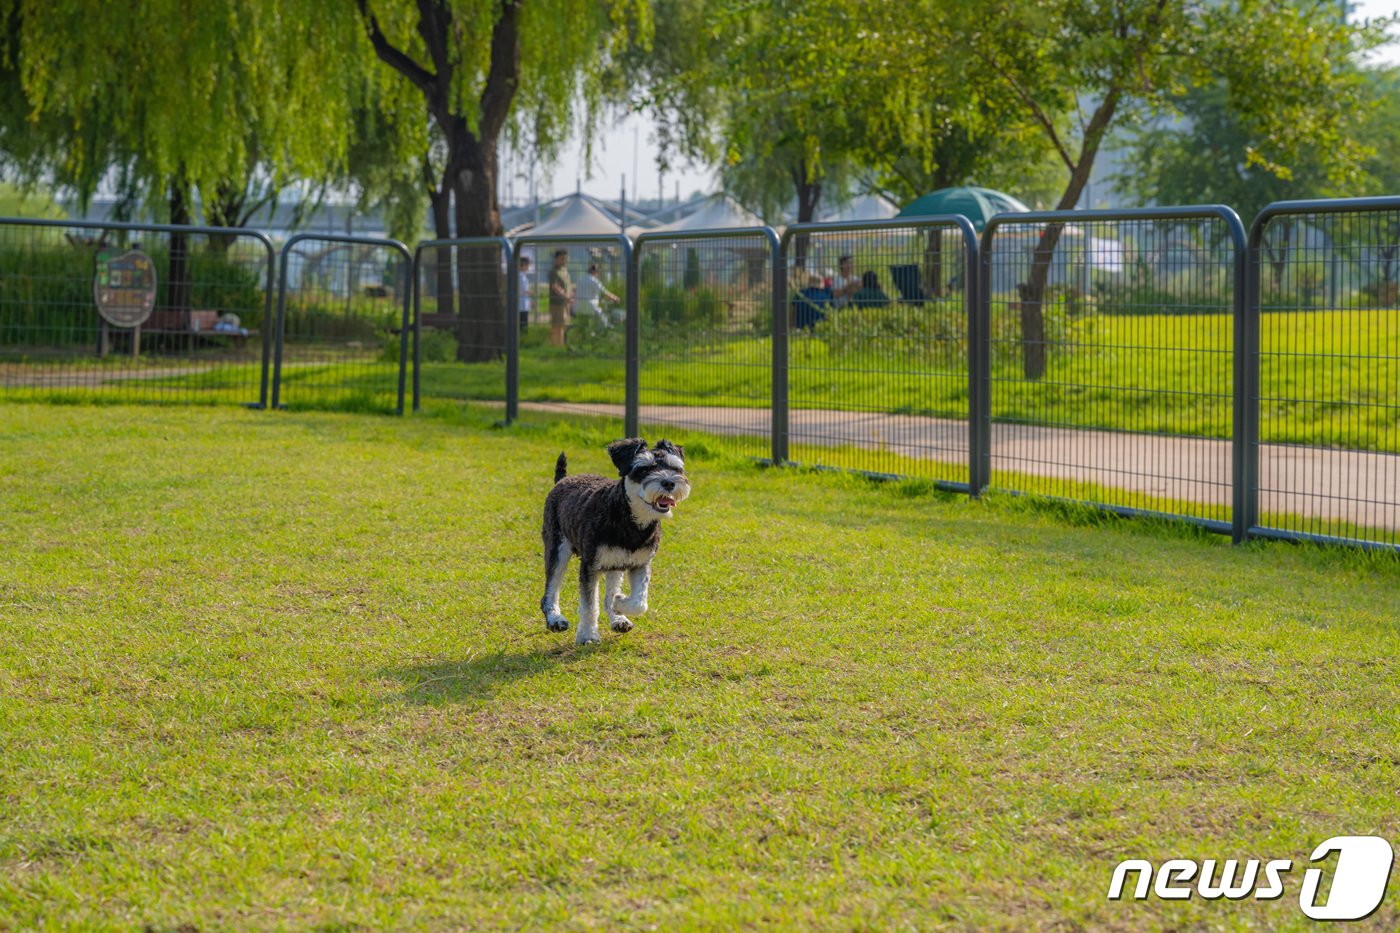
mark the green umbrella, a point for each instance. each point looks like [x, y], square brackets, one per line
[976, 204]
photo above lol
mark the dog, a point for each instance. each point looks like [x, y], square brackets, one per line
[613, 526]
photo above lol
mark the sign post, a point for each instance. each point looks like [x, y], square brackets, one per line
[124, 288]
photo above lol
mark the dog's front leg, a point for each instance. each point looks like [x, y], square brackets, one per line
[636, 602]
[612, 595]
[587, 604]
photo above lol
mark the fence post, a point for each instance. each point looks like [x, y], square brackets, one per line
[279, 325]
[979, 394]
[404, 327]
[417, 327]
[632, 327]
[267, 321]
[1244, 437]
[780, 352]
[512, 333]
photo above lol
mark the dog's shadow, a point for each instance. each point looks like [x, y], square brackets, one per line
[478, 677]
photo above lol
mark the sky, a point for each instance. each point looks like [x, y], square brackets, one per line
[627, 148]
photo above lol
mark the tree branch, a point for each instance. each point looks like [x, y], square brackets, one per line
[395, 58]
[504, 76]
[1040, 117]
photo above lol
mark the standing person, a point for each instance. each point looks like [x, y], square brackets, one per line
[561, 297]
[526, 298]
[846, 284]
[592, 291]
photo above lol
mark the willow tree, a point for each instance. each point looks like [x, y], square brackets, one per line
[489, 70]
[171, 104]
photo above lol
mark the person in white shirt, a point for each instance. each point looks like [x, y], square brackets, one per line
[591, 293]
[846, 283]
[525, 305]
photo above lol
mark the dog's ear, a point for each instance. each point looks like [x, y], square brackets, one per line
[667, 446]
[624, 452]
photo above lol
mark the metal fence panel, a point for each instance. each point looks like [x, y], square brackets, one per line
[1324, 307]
[704, 334]
[1110, 339]
[572, 352]
[134, 312]
[343, 323]
[880, 356]
[465, 340]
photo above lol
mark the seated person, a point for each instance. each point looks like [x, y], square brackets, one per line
[870, 295]
[809, 304]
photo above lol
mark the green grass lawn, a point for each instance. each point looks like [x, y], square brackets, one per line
[287, 670]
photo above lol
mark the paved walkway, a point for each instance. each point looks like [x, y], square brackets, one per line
[1324, 485]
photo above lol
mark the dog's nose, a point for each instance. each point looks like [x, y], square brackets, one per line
[668, 484]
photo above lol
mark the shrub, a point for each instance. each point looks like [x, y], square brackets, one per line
[669, 305]
[932, 330]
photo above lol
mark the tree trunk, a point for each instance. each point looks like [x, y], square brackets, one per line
[933, 262]
[482, 314]
[177, 294]
[1033, 347]
[809, 195]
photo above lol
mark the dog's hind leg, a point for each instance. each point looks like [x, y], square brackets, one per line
[587, 603]
[636, 602]
[556, 561]
[612, 594]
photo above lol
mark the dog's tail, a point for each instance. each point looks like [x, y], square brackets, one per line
[561, 467]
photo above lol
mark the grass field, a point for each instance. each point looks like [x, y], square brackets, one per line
[266, 670]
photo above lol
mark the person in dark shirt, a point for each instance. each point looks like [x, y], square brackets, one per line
[810, 304]
[870, 294]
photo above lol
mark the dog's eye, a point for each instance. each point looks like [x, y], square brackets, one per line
[639, 473]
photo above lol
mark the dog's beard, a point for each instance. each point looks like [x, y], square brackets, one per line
[651, 501]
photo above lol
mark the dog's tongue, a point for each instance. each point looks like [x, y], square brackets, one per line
[666, 502]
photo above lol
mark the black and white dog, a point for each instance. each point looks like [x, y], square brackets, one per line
[613, 526]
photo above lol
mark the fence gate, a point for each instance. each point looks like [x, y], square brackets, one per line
[879, 351]
[571, 299]
[464, 336]
[343, 323]
[1323, 442]
[1111, 339]
[134, 312]
[704, 335]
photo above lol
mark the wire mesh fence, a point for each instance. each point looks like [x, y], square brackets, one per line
[572, 334]
[705, 332]
[462, 332]
[1110, 341]
[131, 312]
[1324, 293]
[342, 323]
[878, 367]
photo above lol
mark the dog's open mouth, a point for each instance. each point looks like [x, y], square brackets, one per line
[664, 504]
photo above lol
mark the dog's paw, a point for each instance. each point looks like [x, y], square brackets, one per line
[589, 639]
[560, 624]
[621, 624]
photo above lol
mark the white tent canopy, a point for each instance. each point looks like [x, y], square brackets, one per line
[577, 217]
[719, 212]
[867, 207]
